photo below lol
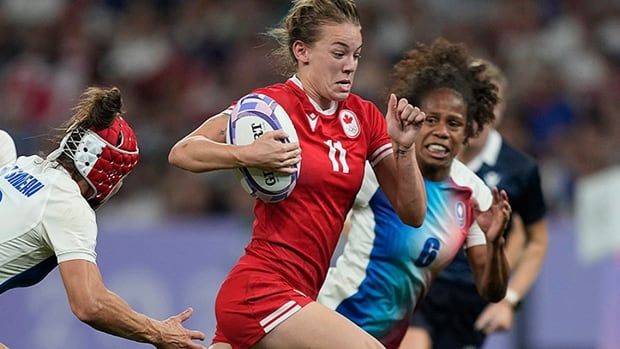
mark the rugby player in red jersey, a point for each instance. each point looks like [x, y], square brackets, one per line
[268, 299]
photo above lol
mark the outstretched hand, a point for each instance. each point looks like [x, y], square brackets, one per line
[403, 121]
[494, 220]
[175, 336]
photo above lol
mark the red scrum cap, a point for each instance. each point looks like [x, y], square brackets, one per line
[102, 156]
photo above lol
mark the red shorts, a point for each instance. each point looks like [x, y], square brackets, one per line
[252, 303]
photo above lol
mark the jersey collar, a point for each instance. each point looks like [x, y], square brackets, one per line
[489, 153]
[331, 110]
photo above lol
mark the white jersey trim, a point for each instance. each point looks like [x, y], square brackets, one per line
[463, 176]
[333, 106]
[475, 237]
[380, 154]
[73, 255]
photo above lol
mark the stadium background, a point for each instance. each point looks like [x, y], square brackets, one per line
[169, 237]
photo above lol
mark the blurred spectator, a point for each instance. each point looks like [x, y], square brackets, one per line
[177, 61]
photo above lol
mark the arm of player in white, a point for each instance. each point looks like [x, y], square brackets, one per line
[95, 305]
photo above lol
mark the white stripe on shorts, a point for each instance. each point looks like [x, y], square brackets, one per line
[284, 312]
[282, 318]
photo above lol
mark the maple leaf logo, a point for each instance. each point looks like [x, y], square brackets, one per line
[349, 123]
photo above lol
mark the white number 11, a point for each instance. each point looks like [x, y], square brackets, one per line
[338, 163]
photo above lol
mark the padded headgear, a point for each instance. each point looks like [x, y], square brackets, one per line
[103, 157]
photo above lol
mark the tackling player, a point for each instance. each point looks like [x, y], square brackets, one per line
[47, 218]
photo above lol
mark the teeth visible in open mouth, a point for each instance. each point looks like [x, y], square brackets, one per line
[437, 148]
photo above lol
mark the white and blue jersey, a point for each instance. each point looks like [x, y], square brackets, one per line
[44, 220]
[387, 266]
[500, 165]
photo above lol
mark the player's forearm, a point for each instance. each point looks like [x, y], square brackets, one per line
[526, 271]
[515, 242]
[410, 193]
[200, 154]
[496, 272]
[110, 314]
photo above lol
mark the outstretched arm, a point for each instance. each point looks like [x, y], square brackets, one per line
[205, 149]
[489, 264]
[95, 305]
[399, 175]
[525, 248]
[530, 260]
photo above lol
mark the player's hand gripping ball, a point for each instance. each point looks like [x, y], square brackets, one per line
[252, 116]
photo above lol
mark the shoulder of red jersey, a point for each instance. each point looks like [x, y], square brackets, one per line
[355, 103]
[282, 93]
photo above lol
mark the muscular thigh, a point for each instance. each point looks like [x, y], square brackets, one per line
[317, 327]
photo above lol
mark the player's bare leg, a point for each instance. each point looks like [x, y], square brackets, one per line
[317, 327]
[217, 346]
[2, 346]
[416, 338]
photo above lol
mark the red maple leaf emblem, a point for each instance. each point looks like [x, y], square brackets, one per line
[347, 119]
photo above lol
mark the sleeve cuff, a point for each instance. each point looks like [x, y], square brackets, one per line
[68, 256]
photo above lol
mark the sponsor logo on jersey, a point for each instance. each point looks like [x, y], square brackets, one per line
[0, 195]
[459, 211]
[350, 125]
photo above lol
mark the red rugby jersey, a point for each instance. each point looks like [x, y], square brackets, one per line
[296, 237]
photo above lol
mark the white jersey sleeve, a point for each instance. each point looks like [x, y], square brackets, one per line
[70, 225]
[369, 187]
[8, 154]
[480, 192]
[475, 237]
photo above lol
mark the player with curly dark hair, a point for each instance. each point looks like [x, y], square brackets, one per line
[499, 164]
[447, 65]
[387, 266]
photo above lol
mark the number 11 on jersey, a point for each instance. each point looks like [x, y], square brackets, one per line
[338, 156]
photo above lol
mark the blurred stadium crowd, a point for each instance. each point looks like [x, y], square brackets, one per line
[178, 62]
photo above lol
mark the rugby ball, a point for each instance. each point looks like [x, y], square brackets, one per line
[252, 116]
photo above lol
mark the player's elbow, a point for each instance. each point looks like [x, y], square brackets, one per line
[413, 217]
[179, 158]
[414, 221]
[87, 311]
[175, 157]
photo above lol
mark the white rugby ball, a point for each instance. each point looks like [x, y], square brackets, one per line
[252, 116]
